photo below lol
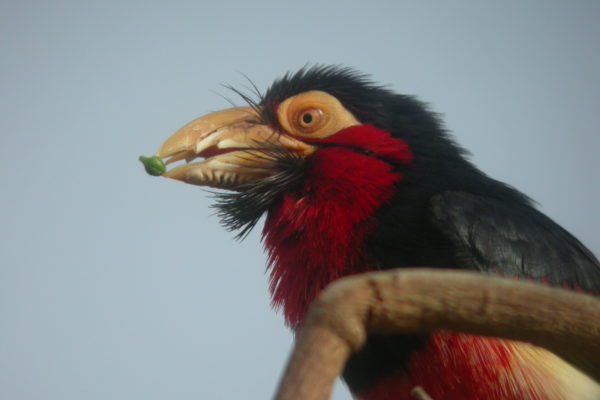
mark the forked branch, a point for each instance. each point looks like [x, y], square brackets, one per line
[425, 300]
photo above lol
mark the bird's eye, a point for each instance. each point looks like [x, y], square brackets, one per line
[309, 120]
[313, 115]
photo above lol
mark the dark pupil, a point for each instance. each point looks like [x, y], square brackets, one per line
[307, 118]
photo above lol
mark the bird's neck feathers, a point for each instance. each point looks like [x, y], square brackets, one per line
[316, 233]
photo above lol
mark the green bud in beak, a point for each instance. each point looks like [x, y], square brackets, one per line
[154, 165]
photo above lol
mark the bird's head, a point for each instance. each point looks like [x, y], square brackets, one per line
[259, 151]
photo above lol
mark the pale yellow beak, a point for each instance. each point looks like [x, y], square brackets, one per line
[232, 144]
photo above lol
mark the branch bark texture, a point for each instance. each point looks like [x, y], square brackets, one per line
[425, 300]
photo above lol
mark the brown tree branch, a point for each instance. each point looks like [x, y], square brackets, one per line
[425, 300]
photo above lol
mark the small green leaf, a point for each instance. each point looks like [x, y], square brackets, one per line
[154, 165]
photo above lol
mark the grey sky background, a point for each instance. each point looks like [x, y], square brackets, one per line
[116, 285]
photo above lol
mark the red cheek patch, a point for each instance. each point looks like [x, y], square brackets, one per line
[370, 139]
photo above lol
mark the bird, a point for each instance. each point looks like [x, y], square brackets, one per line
[353, 177]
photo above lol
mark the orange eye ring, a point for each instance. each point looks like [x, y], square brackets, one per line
[310, 119]
[313, 114]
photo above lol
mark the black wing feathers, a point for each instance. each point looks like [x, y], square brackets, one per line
[514, 240]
